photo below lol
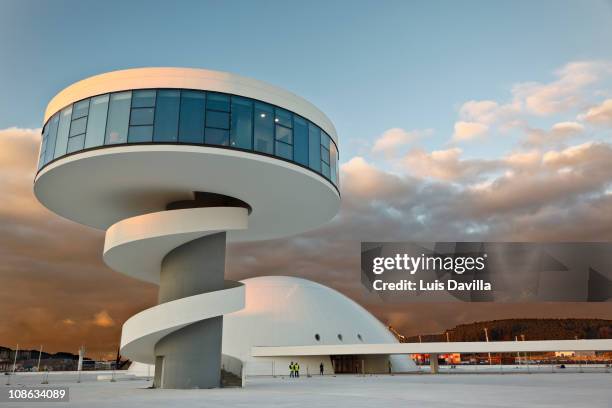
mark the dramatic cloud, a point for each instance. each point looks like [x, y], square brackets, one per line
[572, 92]
[466, 131]
[567, 128]
[103, 319]
[558, 133]
[564, 93]
[480, 111]
[447, 165]
[488, 112]
[394, 138]
[600, 114]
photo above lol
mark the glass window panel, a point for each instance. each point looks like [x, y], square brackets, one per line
[218, 120]
[333, 157]
[324, 155]
[325, 140]
[217, 136]
[80, 109]
[284, 134]
[264, 128]
[314, 147]
[283, 117]
[96, 121]
[143, 99]
[191, 126]
[241, 130]
[325, 169]
[43, 145]
[118, 117]
[75, 143]
[142, 116]
[284, 150]
[63, 129]
[166, 116]
[140, 134]
[217, 101]
[78, 126]
[50, 148]
[337, 167]
[300, 140]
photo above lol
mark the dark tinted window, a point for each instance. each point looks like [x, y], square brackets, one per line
[142, 116]
[284, 134]
[80, 109]
[325, 140]
[96, 121]
[54, 123]
[140, 134]
[61, 142]
[282, 117]
[43, 145]
[284, 150]
[300, 140]
[118, 117]
[241, 129]
[325, 170]
[324, 155]
[217, 136]
[166, 116]
[219, 120]
[143, 99]
[75, 143]
[333, 157]
[216, 101]
[314, 147]
[78, 126]
[191, 126]
[264, 128]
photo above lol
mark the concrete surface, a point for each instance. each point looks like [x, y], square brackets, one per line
[591, 390]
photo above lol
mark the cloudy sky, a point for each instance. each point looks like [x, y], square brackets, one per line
[472, 121]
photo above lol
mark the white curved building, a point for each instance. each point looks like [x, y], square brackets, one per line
[172, 163]
[289, 311]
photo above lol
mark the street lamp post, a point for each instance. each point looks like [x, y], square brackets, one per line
[487, 338]
[525, 354]
[39, 355]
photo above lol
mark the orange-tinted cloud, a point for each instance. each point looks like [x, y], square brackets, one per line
[103, 319]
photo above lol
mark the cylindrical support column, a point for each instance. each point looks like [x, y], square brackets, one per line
[191, 357]
[433, 363]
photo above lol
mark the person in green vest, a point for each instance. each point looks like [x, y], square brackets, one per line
[297, 370]
[291, 368]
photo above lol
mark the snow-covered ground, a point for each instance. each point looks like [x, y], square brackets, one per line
[569, 389]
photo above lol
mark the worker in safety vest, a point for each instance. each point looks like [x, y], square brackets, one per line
[297, 370]
[291, 368]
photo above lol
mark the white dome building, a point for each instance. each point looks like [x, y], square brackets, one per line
[289, 311]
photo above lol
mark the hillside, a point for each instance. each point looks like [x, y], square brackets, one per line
[532, 329]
